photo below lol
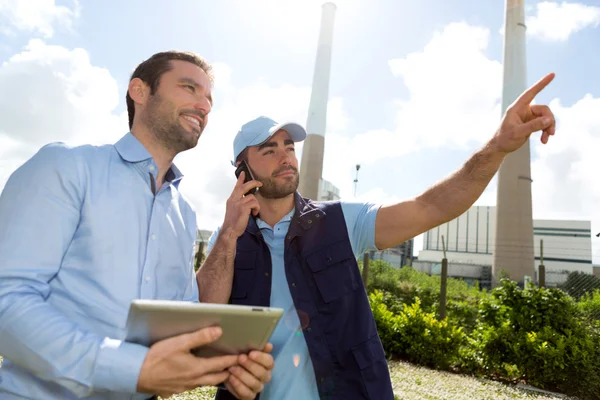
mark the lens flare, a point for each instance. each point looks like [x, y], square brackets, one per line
[291, 320]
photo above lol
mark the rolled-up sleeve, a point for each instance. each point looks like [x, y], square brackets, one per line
[39, 214]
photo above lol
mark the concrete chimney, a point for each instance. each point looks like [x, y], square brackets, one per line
[311, 167]
[513, 251]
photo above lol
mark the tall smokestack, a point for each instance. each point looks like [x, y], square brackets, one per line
[513, 252]
[311, 167]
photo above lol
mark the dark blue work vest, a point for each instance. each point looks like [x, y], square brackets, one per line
[326, 285]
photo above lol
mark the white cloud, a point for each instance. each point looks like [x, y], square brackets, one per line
[454, 91]
[39, 17]
[55, 95]
[453, 101]
[555, 22]
[564, 176]
[565, 183]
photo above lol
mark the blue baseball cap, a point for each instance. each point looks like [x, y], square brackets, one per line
[259, 130]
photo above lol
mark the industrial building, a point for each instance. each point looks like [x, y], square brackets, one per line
[398, 256]
[470, 245]
[201, 242]
[327, 191]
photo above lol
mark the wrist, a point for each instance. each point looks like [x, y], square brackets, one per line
[493, 150]
[228, 236]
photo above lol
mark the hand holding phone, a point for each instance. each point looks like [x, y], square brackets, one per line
[247, 177]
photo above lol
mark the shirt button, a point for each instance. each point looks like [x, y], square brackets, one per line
[294, 284]
[147, 279]
[153, 236]
[151, 168]
[266, 274]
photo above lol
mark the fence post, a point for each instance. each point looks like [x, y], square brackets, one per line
[444, 282]
[542, 268]
[365, 271]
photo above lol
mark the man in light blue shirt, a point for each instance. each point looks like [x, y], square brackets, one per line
[86, 230]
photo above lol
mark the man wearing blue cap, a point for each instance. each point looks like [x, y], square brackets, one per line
[277, 248]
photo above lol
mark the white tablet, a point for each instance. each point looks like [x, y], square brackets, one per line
[245, 328]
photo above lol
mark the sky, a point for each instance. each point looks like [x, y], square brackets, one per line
[415, 88]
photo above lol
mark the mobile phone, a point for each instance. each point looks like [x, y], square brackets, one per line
[247, 177]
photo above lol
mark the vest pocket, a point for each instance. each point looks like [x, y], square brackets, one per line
[334, 270]
[373, 366]
[243, 274]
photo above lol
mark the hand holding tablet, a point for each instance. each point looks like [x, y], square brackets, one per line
[187, 350]
[245, 328]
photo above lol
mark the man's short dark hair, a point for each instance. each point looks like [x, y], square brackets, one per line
[153, 68]
[243, 156]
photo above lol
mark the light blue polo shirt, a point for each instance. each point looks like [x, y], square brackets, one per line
[293, 376]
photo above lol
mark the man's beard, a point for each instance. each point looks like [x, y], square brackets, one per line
[163, 121]
[271, 189]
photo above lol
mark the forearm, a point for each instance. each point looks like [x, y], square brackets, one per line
[454, 195]
[215, 276]
[40, 339]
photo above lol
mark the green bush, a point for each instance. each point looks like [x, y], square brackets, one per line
[416, 335]
[537, 334]
[589, 305]
[463, 312]
[406, 284]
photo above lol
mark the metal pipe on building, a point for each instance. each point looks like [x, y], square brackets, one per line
[513, 250]
[311, 167]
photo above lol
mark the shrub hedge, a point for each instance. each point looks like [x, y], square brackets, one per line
[538, 335]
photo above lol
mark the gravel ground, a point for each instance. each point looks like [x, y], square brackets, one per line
[416, 383]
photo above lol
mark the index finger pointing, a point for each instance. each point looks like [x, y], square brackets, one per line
[527, 96]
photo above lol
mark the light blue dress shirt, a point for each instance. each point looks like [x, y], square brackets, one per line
[81, 235]
[293, 376]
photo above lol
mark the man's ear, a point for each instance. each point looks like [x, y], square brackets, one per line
[138, 91]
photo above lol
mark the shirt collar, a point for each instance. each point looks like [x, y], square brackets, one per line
[132, 150]
[286, 218]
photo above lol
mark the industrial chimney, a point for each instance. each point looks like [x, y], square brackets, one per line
[311, 167]
[513, 252]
